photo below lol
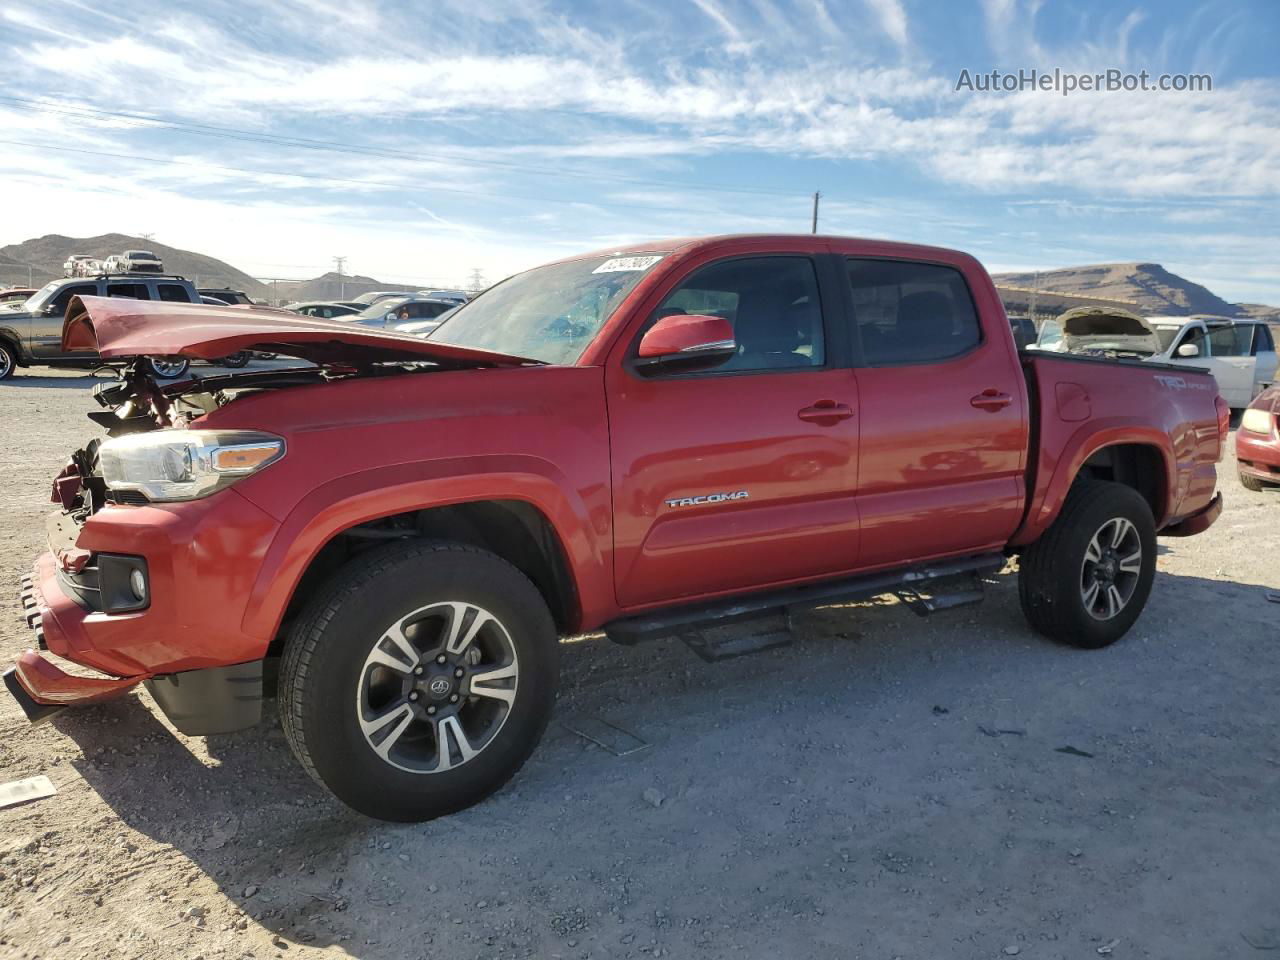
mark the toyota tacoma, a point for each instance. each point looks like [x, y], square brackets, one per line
[675, 439]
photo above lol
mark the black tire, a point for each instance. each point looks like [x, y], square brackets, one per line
[236, 360]
[1056, 575]
[168, 368]
[327, 667]
[8, 360]
[1250, 482]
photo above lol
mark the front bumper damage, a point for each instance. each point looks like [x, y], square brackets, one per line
[74, 636]
[39, 685]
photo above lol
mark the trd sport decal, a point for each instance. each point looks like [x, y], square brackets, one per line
[707, 498]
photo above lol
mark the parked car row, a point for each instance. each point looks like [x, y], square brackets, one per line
[1241, 354]
[131, 261]
[31, 330]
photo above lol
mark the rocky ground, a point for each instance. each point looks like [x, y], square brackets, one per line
[885, 787]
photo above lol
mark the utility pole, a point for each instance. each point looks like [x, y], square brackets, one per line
[147, 236]
[478, 282]
[816, 197]
[1035, 288]
[342, 284]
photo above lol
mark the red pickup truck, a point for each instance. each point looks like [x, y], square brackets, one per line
[658, 440]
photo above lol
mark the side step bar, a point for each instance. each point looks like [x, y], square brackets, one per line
[717, 613]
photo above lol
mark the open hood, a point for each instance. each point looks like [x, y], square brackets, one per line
[1107, 329]
[117, 327]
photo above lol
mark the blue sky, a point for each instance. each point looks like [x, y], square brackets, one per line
[423, 140]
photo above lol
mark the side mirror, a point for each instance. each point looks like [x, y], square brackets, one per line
[687, 341]
[1188, 350]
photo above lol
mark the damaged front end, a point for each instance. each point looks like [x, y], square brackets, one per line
[149, 566]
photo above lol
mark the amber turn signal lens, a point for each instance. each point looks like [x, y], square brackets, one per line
[239, 459]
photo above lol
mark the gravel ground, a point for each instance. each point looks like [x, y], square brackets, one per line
[885, 787]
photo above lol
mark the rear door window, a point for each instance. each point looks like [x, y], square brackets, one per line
[173, 292]
[1262, 341]
[908, 313]
[134, 291]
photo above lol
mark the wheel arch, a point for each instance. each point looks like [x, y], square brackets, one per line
[1140, 457]
[534, 522]
[11, 340]
[515, 530]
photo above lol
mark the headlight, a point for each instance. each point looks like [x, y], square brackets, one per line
[167, 465]
[1258, 421]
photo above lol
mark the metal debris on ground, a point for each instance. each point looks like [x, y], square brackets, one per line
[1072, 751]
[24, 791]
[1106, 948]
[604, 734]
[995, 732]
[1266, 938]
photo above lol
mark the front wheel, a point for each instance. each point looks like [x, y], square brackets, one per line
[1250, 482]
[8, 360]
[1086, 580]
[168, 368]
[419, 679]
[236, 360]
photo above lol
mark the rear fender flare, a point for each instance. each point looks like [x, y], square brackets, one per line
[1049, 494]
[383, 492]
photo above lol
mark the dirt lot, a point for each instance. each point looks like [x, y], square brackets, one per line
[885, 787]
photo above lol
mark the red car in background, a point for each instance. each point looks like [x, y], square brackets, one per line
[1258, 441]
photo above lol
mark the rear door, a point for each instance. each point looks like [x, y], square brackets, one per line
[739, 476]
[1233, 362]
[942, 413]
[1264, 348]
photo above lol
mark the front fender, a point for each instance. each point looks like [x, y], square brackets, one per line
[356, 498]
[1055, 472]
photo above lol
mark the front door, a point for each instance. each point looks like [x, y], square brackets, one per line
[46, 327]
[742, 475]
[942, 414]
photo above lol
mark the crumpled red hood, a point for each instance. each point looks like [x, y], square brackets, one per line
[117, 327]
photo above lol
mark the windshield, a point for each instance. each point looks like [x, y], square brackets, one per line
[549, 313]
[1050, 334]
[1165, 336]
[40, 297]
[381, 308]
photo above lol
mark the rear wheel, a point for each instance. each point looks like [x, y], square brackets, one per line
[236, 360]
[8, 360]
[1086, 580]
[1250, 482]
[419, 679]
[168, 368]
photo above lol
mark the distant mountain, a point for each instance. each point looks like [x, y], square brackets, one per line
[1156, 291]
[334, 286]
[41, 260]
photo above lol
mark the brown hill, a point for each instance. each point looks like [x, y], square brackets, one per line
[41, 260]
[334, 286]
[1156, 291]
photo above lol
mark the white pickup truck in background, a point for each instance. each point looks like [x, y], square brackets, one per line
[1241, 354]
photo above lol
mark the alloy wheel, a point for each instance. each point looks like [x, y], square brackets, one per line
[436, 687]
[1111, 568]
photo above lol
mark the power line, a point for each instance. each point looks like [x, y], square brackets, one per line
[232, 133]
[350, 180]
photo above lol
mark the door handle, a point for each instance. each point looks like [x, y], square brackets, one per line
[826, 412]
[991, 400]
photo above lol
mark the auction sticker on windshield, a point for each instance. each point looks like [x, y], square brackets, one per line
[626, 264]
